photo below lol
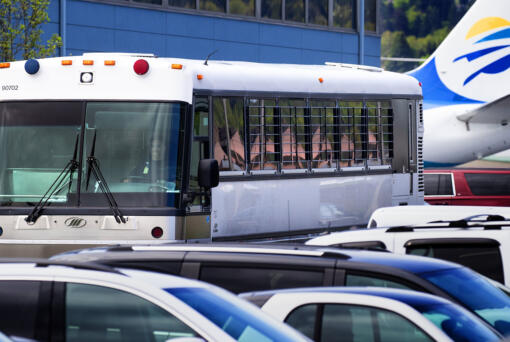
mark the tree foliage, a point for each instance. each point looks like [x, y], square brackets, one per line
[21, 32]
[415, 28]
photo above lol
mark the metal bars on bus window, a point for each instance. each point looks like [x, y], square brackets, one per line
[285, 134]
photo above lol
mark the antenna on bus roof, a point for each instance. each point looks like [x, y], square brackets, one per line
[209, 55]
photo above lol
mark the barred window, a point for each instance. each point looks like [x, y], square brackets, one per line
[325, 134]
[293, 132]
[301, 134]
[264, 135]
[228, 133]
[387, 132]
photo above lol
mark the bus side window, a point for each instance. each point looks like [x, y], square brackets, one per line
[228, 133]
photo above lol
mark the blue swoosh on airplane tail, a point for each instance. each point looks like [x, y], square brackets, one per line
[498, 35]
[433, 88]
[480, 53]
[496, 67]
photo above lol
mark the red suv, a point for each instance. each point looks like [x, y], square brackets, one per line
[489, 187]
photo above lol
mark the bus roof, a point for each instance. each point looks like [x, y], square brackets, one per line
[114, 78]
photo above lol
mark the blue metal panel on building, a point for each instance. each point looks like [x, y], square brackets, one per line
[95, 26]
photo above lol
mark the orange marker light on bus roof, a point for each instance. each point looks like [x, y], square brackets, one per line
[5, 65]
[177, 66]
[88, 62]
[110, 63]
[67, 62]
[200, 77]
[321, 79]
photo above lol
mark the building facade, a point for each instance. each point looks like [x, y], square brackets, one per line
[275, 31]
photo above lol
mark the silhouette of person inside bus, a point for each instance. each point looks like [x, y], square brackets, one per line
[156, 167]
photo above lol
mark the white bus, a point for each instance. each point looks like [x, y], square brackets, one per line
[104, 148]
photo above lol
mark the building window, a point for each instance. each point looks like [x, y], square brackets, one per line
[370, 15]
[271, 9]
[344, 14]
[242, 7]
[153, 2]
[295, 10]
[228, 133]
[318, 12]
[182, 3]
[213, 5]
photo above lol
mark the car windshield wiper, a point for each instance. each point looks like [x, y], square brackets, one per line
[57, 185]
[93, 167]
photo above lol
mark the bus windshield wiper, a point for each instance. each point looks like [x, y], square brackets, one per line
[93, 167]
[68, 170]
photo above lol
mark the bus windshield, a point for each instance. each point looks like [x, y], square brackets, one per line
[137, 147]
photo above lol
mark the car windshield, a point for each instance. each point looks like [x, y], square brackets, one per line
[459, 324]
[241, 320]
[476, 293]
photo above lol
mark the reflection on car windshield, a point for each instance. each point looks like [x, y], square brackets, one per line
[476, 293]
[237, 318]
[459, 324]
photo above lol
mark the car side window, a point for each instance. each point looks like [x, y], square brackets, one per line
[97, 313]
[373, 280]
[349, 323]
[244, 279]
[487, 184]
[485, 258]
[438, 184]
[20, 313]
[303, 319]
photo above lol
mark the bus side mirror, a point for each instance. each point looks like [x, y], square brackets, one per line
[208, 173]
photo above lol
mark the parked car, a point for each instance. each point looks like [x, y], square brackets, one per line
[477, 243]
[254, 267]
[422, 214]
[490, 187]
[372, 314]
[56, 301]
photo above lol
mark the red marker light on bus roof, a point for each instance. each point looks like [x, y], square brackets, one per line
[419, 83]
[141, 67]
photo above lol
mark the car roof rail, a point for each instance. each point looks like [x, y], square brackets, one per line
[255, 248]
[492, 222]
[39, 262]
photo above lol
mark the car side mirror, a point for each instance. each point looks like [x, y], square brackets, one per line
[208, 173]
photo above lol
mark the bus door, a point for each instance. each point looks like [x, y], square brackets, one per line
[198, 221]
[405, 156]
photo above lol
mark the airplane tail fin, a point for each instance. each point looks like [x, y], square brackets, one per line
[472, 63]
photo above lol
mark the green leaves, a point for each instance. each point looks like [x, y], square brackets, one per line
[415, 28]
[20, 30]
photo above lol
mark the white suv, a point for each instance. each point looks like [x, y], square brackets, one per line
[54, 301]
[483, 246]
